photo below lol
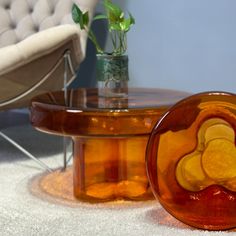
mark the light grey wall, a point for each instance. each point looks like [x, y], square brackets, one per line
[183, 44]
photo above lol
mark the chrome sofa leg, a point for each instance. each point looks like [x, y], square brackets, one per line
[42, 164]
[64, 153]
[66, 158]
[67, 66]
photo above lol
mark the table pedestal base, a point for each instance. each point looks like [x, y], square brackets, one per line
[110, 168]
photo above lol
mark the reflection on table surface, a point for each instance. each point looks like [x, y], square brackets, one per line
[89, 99]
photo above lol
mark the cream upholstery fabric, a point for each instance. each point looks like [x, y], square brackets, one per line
[34, 35]
[38, 45]
[21, 18]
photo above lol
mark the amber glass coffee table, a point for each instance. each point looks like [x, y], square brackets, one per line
[109, 137]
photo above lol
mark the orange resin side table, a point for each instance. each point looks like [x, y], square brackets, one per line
[109, 137]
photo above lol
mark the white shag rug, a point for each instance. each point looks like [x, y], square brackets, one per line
[24, 214]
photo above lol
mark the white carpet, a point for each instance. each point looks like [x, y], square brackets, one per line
[23, 214]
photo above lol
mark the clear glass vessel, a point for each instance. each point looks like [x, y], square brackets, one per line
[112, 75]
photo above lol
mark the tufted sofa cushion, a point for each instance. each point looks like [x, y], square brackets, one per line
[22, 18]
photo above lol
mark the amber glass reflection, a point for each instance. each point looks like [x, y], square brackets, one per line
[191, 161]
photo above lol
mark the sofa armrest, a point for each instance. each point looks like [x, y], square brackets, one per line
[40, 44]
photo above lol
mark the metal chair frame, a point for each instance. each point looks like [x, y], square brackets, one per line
[68, 66]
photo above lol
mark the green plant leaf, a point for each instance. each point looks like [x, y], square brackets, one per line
[76, 13]
[132, 20]
[86, 18]
[114, 12]
[99, 17]
[79, 17]
[126, 23]
[115, 26]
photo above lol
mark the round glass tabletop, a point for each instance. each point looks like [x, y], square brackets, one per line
[83, 112]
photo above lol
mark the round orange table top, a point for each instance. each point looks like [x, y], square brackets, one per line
[81, 112]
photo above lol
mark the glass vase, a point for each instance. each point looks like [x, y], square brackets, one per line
[112, 75]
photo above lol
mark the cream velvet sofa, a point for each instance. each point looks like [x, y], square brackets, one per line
[40, 48]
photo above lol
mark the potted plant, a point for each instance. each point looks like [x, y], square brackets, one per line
[112, 67]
